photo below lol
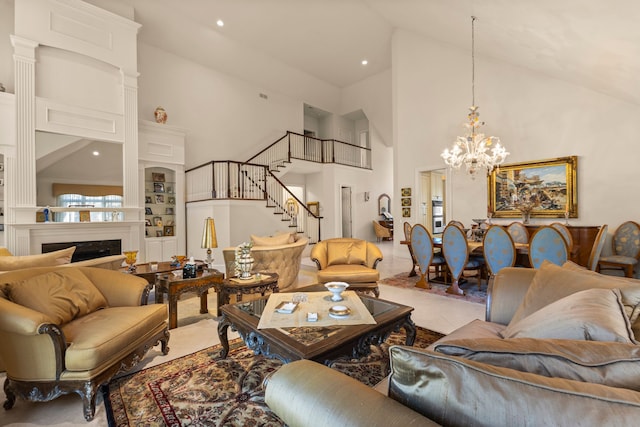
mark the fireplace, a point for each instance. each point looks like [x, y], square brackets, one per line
[87, 250]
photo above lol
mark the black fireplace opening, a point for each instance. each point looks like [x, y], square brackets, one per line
[87, 250]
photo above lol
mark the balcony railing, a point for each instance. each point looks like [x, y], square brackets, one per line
[296, 146]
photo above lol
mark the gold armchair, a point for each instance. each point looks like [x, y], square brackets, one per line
[70, 330]
[347, 260]
[381, 231]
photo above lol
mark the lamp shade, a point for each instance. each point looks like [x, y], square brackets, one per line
[209, 239]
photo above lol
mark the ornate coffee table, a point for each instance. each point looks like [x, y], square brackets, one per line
[322, 344]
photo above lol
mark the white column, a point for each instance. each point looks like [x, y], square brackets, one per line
[20, 170]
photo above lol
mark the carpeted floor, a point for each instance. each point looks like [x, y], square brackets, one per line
[470, 288]
[203, 389]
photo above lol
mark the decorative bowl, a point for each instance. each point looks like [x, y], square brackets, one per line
[339, 310]
[336, 288]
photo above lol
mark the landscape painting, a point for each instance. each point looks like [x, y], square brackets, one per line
[545, 188]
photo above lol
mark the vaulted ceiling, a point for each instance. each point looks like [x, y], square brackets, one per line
[592, 43]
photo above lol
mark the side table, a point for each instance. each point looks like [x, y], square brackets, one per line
[173, 286]
[233, 285]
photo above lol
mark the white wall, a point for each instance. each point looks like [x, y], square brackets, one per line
[536, 117]
[6, 50]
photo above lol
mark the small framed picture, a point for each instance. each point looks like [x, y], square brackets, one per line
[169, 211]
[159, 198]
[405, 192]
[147, 211]
[314, 208]
[172, 200]
[169, 189]
[158, 233]
[157, 177]
[85, 216]
[157, 221]
[158, 187]
[147, 199]
[406, 212]
[147, 222]
[168, 230]
[406, 201]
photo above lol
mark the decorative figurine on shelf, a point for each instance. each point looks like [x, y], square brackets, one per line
[160, 115]
[2, 89]
[46, 212]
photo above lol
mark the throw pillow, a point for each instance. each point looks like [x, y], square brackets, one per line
[591, 315]
[282, 239]
[347, 252]
[61, 295]
[49, 259]
[455, 391]
[292, 235]
[553, 282]
[611, 364]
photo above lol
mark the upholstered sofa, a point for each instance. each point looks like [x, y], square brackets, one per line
[346, 260]
[557, 348]
[71, 329]
[281, 253]
[9, 262]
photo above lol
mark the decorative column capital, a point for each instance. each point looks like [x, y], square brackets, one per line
[24, 49]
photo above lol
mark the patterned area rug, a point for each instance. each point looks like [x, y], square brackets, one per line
[203, 389]
[470, 288]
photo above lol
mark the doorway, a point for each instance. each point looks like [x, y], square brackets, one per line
[346, 211]
[432, 200]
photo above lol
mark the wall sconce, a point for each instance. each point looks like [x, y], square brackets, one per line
[366, 196]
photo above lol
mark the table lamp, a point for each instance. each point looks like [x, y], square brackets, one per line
[209, 239]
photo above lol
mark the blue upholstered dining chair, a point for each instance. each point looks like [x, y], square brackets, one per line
[548, 244]
[626, 249]
[422, 245]
[518, 232]
[565, 233]
[498, 249]
[596, 249]
[456, 253]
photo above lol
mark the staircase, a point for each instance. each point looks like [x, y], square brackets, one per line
[256, 178]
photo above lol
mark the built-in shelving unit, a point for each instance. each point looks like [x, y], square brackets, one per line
[159, 202]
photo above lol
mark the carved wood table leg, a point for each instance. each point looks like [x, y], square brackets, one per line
[223, 327]
[11, 397]
[410, 329]
[173, 310]
[203, 302]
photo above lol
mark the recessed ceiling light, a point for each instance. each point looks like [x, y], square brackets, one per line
[96, 153]
[364, 62]
[220, 23]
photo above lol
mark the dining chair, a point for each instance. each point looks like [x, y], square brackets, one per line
[596, 249]
[422, 245]
[406, 226]
[564, 230]
[498, 249]
[456, 223]
[518, 232]
[456, 254]
[547, 244]
[626, 249]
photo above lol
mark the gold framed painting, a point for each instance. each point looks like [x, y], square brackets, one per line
[546, 188]
[314, 208]
[85, 216]
[405, 192]
[406, 212]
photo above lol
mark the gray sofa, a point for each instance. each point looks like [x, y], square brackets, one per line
[557, 348]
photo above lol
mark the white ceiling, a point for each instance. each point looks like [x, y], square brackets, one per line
[594, 43]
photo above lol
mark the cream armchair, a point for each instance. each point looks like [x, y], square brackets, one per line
[271, 255]
[66, 329]
[346, 260]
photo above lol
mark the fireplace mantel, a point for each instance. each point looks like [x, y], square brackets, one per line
[32, 236]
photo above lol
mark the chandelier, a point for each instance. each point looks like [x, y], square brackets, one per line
[475, 150]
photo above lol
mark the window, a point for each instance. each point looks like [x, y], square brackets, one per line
[80, 201]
